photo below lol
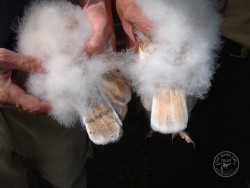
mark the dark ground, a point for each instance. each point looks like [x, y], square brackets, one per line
[125, 164]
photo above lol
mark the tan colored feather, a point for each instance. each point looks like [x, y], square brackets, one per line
[102, 121]
[117, 89]
[102, 124]
[168, 107]
[169, 111]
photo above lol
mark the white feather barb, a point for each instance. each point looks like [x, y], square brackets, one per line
[178, 61]
[55, 32]
[182, 51]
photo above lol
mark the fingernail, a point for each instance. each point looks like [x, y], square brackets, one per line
[46, 106]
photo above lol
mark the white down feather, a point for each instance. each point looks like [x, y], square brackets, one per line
[182, 51]
[55, 32]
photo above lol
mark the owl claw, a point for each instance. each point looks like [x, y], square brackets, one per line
[184, 135]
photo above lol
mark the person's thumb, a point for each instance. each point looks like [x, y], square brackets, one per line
[10, 60]
[17, 98]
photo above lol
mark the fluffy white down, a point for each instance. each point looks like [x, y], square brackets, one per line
[55, 32]
[182, 51]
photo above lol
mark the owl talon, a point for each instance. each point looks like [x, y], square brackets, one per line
[184, 135]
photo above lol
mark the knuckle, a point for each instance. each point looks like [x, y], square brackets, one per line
[27, 63]
[94, 46]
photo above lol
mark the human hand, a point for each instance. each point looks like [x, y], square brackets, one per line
[99, 14]
[11, 95]
[132, 18]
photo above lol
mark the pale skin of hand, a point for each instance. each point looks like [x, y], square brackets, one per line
[99, 15]
[11, 95]
[133, 19]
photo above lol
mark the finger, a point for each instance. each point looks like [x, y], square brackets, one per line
[94, 45]
[97, 43]
[133, 19]
[139, 20]
[130, 38]
[143, 24]
[10, 60]
[17, 98]
[31, 105]
[43, 109]
[99, 15]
